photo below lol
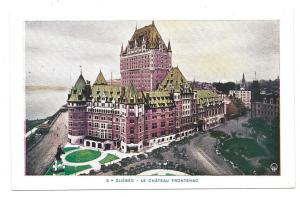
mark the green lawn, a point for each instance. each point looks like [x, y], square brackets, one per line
[83, 156]
[234, 149]
[69, 169]
[49, 172]
[238, 160]
[67, 149]
[219, 134]
[109, 157]
[243, 146]
[73, 169]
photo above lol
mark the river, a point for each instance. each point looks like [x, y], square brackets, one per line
[44, 103]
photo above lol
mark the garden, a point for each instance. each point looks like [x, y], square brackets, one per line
[108, 158]
[83, 156]
[263, 144]
[69, 170]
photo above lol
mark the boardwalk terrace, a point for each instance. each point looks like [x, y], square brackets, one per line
[135, 115]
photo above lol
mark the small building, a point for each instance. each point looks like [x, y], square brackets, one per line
[266, 106]
[243, 93]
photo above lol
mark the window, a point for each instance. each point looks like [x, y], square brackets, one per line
[162, 124]
[132, 140]
[154, 125]
[131, 130]
[96, 117]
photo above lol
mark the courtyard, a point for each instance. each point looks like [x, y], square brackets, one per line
[77, 160]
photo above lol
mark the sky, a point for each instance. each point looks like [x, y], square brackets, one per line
[207, 51]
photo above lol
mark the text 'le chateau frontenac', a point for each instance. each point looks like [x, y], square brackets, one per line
[153, 104]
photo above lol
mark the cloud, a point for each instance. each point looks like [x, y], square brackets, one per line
[204, 50]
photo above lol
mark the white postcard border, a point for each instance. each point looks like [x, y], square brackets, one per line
[17, 97]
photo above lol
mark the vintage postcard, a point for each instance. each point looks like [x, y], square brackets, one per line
[134, 104]
[152, 98]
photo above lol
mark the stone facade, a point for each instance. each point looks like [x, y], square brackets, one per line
[157, 105]
[266, 107]
[146, 60]
[243, 95]
[124, 118]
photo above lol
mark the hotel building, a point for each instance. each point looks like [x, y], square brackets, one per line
[153, 104]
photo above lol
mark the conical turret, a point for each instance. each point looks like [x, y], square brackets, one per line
[80, 91]
[100, 80]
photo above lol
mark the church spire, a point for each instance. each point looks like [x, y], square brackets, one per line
[169, 47]
[243, 85]
[121, 53]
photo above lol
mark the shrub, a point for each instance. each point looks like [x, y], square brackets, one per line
[141, 156]
[92, 172]
[114, 167]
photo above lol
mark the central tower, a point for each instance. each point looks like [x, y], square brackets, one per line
[146, 59]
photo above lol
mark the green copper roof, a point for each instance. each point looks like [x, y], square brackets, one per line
[157, 99]
[206, 93]
[132, 95]
[100, 80]
[80, 83]
[79, 91]
[108, 91]
[206, 96]
[173, 81]
[149, 34]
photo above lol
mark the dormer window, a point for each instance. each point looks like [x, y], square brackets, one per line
[265, 100]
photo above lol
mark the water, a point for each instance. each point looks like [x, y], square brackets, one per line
[44, 103]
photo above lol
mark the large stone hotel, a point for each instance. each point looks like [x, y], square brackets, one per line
[153, 104]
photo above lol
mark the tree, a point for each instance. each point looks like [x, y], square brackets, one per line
[225, 87]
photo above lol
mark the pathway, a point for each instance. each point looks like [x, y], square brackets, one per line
[43, 154]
